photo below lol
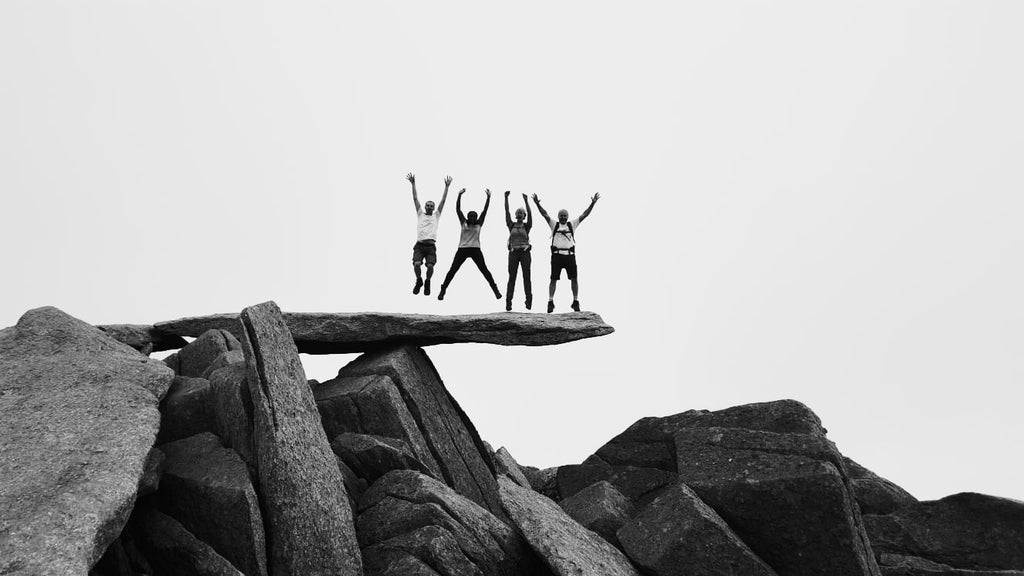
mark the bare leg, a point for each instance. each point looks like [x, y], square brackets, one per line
[575, 289]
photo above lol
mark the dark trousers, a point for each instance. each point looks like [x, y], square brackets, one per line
[517, 259]
[478, 258]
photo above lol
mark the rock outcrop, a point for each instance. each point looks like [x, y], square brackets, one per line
[600, 508]
[186, 410]
[145, 339]
[875, 494]
[310, 525]
[78, 417]
[337, 333]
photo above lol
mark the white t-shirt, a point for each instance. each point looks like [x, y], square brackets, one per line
[426, 225]
[561, 237]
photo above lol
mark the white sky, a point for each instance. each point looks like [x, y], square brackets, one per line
[799, 199]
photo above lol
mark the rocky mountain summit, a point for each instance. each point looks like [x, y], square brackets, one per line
[224, 459]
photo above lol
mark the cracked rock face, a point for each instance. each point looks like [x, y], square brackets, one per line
[78, 417]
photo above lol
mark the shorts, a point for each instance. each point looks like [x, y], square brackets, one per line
[561, 262]
[424, 251]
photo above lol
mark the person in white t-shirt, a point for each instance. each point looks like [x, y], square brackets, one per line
[469, 245]
[563, 249]
[426, 235]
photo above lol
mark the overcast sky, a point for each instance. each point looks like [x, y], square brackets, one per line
[806, 200]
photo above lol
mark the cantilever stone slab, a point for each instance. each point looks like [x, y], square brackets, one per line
[343, 333]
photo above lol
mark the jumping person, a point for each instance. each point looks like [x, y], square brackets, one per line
[426, 234]
[563, 249]
[469, 245]
[519, 251]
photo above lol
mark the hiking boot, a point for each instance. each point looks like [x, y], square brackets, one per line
[440, 295]
[551, 306]
[529, 302]
[419, 284]
[508, 305]
[576, 305]
[426, 288]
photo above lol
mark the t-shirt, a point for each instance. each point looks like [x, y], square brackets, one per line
[470, 236]
[561, 237]
[426, 225]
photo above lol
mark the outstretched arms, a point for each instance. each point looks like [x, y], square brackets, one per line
[593, 200]
[508, 217]
[458, 207]
[487, 203]
[447, 183]
[529, 213]
[543, 212]
[415, 199]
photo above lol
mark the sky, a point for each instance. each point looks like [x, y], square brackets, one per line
[807, 200]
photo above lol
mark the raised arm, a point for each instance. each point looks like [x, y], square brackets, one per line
[447, 183]
[487, 203]
[593, 200]
[508, 217]
[458, 207]
[415, 199]
[529, 213]
[543, 212]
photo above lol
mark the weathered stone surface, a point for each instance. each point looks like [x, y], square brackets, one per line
[966, 531]
[186, 410]
[309, 520]
[145, 339]
[342, 333]
[232, 410]
[679, 535]
[150, 481]
[451, 438]
[372, 405]
[566, 547]
[78, 416]
[505, 464]
[206, 488]
[897, 565]
[194, 359]
[406, 513]
[639, 485]
[648, 443]
[600, 508]
[875, 494]
[223, 360]
[370, 457]
[174, 551]
[543, 481]
[782, 494]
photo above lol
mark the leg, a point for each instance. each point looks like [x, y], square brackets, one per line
[478, 258]
[431, 259]
[513, 270]
[575, 285]
[460, 257]
[526, 260]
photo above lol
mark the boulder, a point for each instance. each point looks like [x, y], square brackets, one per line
[145, 339]
[150, 481]
[966, 531]
[408, 514]
[372, 405]
[897, 565]
[206, 488]
[457, 450]
[679, 535]
[600, 508]
[782, 494]
[227, 358]
[201, 353]
[187, 410]
[231, 403]
[173, 551]
[309, 522]
[875, 494]
[78, 416]
[505, 464]
[566, 547]
[344, 333]
[639, 485]
[370, 457]
[543, 481]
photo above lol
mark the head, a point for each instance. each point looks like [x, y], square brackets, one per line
[428, 208]
[563, 216]
[520, 214]
[471, 218]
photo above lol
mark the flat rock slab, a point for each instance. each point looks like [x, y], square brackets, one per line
[343, 333]
[78, 417]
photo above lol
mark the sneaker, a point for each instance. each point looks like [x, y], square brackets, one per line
[551, 306]
[508, 305]
[419, 284]
[529, 303]
[426, 288]
[440, 295]
[576, 305]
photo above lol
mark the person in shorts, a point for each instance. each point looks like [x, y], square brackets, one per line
[425, 249]
[563, 249]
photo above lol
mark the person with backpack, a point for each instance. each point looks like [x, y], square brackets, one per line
[519, 251]
[469, 245]
[426, 234]
[563, 249]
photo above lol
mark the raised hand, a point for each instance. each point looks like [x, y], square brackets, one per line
[595, 197]
[507, 192]
[447, 181]
[461, 192]
[536, 199]
[488, 192]
[411, 177]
